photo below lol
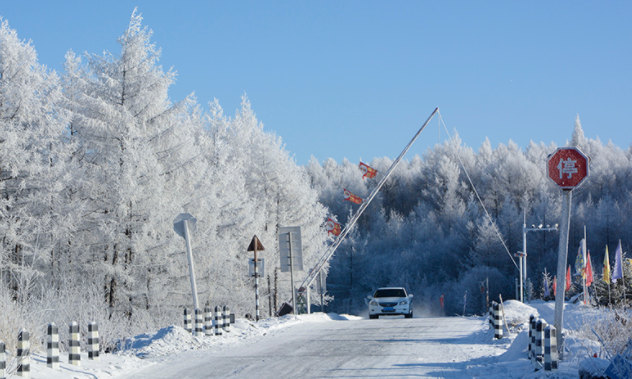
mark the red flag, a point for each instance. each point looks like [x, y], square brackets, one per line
[352, 198]
[589, 273]
[568, 278]
[332, 227]
[555, 285]
[369, 172]
[441, 300]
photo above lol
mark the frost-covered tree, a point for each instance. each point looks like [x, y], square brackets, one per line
[32, 163]
[134, 157]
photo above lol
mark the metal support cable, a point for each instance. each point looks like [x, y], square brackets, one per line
[478, 197]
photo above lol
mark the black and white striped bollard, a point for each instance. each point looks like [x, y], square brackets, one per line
[226, 319]
[52, 346]
[539, 342]
[218, 321]
[93, 341]
[530, 352]
[199, 325]
[24, 354]
[74, 345]
[187, 320]
[208, 321]
[3, 361]
[490, 317]
[550, 348]
[498, 322]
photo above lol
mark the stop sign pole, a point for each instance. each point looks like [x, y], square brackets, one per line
[567, 167]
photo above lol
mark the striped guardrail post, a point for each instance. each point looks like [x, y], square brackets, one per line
[490, 317]
[199, 325]
[218, 321]
[498, 322]
[74, 345]
[226, 319]
[52, 346]
[93, 341]
[3, 361]
[187, 320]
[539, 342]
[550, 348]
[24, 354]
[530, 352]
[208, 321]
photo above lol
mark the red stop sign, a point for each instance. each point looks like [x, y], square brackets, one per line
[567, 167]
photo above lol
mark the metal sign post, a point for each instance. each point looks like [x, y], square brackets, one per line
[184, 225]
[291, 253]
[567, 167]
[256, 245]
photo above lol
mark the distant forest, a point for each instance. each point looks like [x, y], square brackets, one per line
[427, 231]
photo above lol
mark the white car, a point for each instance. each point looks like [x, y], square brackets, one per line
[390, 301]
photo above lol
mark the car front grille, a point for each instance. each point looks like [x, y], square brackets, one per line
[388, 304]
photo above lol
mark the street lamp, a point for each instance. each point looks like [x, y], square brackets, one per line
[523, 254]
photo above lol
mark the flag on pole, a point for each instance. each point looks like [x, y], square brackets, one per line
[352, 198]
[568, 278]
[332, 227]
[617, 272]
[589, 273]
[606, 267]
[546, 288]
[369, 172]
[580, 261]
[555, 285]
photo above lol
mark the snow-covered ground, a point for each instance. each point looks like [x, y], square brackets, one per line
[330, 345]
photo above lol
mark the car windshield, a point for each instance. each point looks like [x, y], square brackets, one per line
[390, 293]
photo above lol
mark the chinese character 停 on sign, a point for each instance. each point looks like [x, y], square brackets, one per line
[567, 167]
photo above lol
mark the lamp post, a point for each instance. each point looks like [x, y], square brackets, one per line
[533, 228]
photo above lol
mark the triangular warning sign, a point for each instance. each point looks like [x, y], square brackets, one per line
[255, 243]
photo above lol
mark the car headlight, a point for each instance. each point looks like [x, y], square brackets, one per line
[373, 302]
[403, 302]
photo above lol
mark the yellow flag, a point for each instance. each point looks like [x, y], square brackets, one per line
[606, 267]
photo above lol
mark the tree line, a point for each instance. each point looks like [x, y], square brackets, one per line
[95, 164]
[427, 230]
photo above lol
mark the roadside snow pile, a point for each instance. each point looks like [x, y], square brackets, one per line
[175, 339]
[169, 340]
[517, 313]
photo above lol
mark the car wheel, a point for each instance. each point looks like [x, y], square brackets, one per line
[372, 317]
[410, 315]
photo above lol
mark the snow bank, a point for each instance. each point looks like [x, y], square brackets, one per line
[517, 313]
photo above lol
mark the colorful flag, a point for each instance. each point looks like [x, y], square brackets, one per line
[332, 227]
[617, 272]
[369, 172]
[568, 278]
[352, 198]
[555, 285]
[589, 273]
[606, 267]
[546, 288]
[580, 261]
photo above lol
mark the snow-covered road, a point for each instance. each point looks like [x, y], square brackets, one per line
[418, 347]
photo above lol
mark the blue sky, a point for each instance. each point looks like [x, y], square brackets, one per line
[351, 79]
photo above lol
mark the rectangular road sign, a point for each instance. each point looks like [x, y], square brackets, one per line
[261, 266]
[284, 248]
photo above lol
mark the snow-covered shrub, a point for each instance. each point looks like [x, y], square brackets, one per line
[613, 330]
